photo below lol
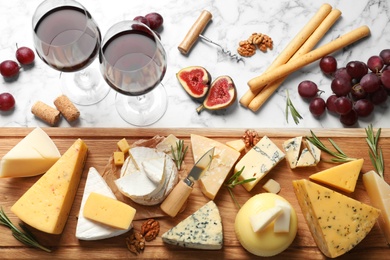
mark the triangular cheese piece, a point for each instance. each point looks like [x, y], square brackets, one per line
[292, 148]
[237, 145]
[201, 230]
[379, 192]
[337, 222]
[33, 155]
[314, 150]
[154, 169]
[91, 230]
[342, 177]
[306, 159]
[221, 165]
[46, 205]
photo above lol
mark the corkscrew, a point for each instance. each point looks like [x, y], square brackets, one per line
[195, 32]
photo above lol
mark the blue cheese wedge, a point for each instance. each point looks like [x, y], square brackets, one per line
[90, 230]
[314, 150]
[292, 148]
[259, 161]
[201, 230]
[306, 159]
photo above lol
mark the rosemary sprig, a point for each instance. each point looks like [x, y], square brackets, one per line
[294, 113]
[339, 155]
[178, 155]
[375, 152]
[25, 237]
[233, 182]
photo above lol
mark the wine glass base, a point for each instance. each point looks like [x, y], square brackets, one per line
[84, 87]
[143, 110]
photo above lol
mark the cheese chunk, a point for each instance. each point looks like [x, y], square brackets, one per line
[33, 155]
[314, 150]
[282, 223]
[108, 211]
[201, 230]
[379, 192]
[46, 205]
[237, 145]
[90, 230]
[292, 148]
[168, 144]
[306, 159]
[259, 161]
[337, 222]
[261, 220]
[221, 165]
[272, 186]
[154, 169]
[123, 145]
[342, 177]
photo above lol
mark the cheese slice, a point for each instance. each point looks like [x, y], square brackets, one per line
[108, 211]
[259, 161]
[342, 177]
[262, 219]
[379, 192]
[237, 145]
[337, 222]
[90, 230]
[33, 155]
[46, 205]
[292, 148]
[306, 159]
[314, 150]
[221, 165]
[282, 223]
[201, 230]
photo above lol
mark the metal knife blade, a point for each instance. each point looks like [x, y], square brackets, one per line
[200, 167]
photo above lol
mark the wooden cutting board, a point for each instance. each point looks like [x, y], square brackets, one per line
[102, 142]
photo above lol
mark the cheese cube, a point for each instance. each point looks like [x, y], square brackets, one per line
[123, 145]
[272, 186]
[119, 158]
[108, 211]
[46, 205]
[259, 161]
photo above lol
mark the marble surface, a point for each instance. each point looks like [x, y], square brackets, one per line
[233, 20]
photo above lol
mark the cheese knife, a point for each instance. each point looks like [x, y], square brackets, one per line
[179, 195]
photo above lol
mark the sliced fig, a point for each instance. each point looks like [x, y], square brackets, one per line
[222, 94]
[195, 80]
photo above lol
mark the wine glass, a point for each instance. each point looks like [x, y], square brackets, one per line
[133, 62]
[67, 38]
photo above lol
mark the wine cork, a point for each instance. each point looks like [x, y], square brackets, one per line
[45, 112]
[194, 32]
[67, 108]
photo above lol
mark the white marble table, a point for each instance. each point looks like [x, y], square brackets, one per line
[233, 20]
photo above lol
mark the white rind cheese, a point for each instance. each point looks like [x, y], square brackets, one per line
[90, 230]
[33, 155]
[201, 230]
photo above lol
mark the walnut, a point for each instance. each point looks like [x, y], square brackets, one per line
[251, 138]
[266, 43]
[246, 49]
[256, 38]
[135, 242]
[150, 229]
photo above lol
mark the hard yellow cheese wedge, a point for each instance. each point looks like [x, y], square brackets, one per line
[46, 205]
[108, 211]
[337, 222]
[379, 192]
[33, 155]
[237, 145]
[342, 177]
[221, 165]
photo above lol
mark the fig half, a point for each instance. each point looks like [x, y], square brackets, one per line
[222, 94]
[195, 80]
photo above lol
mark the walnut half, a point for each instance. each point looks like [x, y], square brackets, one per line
[135, 242]
[150, 229]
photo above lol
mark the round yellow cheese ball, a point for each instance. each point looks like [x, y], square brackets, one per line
[264, 242]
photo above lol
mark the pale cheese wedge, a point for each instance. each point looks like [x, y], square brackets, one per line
[33, 155]
[221, 165]
[91, 230]
[292, 148]
[282, 222]
[306, 159]
[237, 145]
[46, 205]
[261, 220]
[154, 169]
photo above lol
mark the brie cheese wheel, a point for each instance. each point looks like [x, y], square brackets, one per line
[91, 230]
[147, 176]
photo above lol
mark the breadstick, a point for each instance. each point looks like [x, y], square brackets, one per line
[292, 47]
[259, 82]
[317, 35]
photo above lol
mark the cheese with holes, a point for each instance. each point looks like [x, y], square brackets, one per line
[259, 161]
[337, 222]
[342, 177]
[108, 211]
[91, 230]
[147, 176]
[379, 192]
[46, 205]
[33, 155]
[221, 165]
[201, 230]
[292, 148]
[265, 242]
